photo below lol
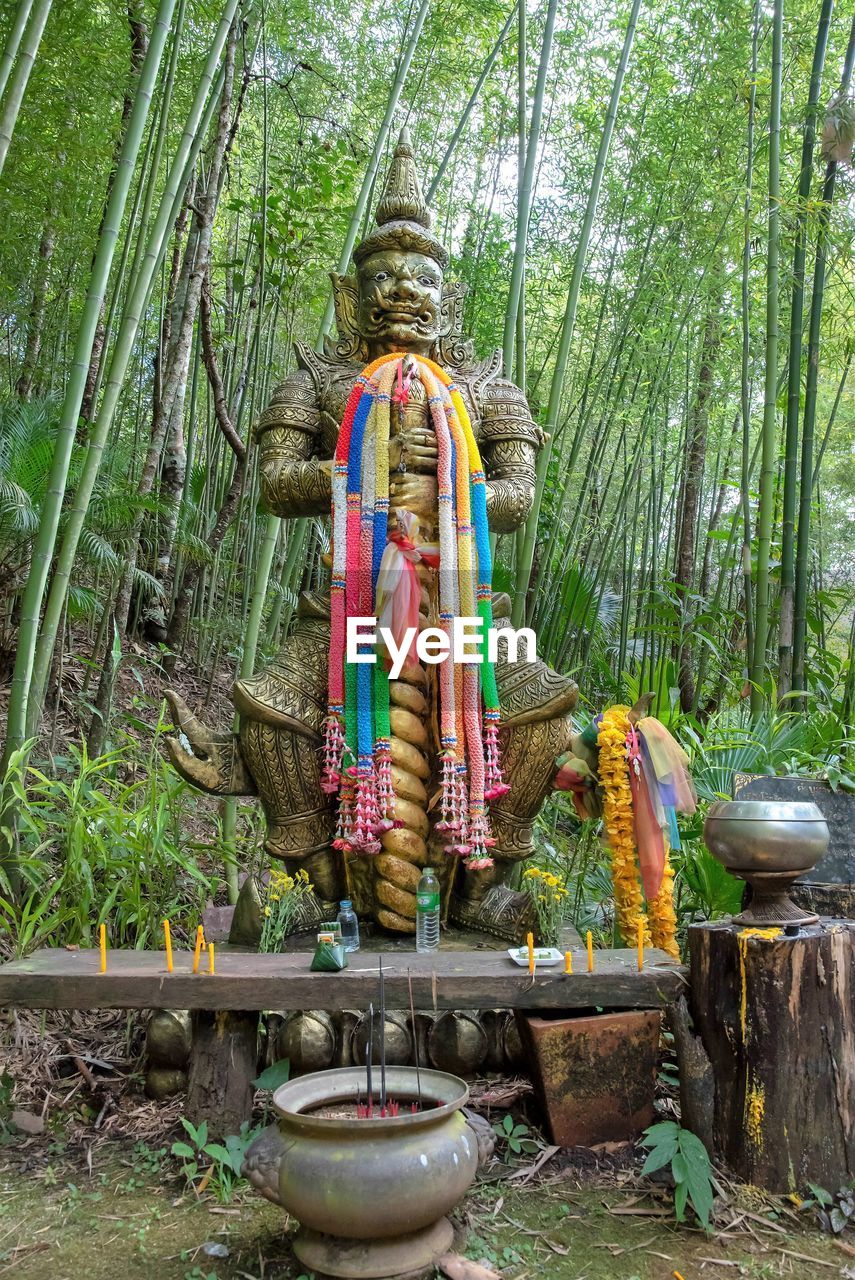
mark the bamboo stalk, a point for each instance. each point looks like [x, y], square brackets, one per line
[765, 512]
[470, 105]
[10, 50]
[745, 362]
[176, 182]
[557, 385]
[45, 542]
[802, 568]
[28, 47]
[525, 193]
[374, 161]
[791, 446]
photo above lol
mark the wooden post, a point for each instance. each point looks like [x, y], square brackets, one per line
[776, 1016]
[223, 1064]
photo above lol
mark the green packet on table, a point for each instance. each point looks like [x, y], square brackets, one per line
[329, 957]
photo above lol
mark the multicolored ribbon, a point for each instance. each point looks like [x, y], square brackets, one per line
[374, 575]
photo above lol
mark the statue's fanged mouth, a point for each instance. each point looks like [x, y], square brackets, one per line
[421, 318]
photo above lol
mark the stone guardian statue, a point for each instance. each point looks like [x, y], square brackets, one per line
[397, 301]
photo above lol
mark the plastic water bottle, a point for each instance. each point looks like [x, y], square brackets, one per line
[427, 912]
[349, 925]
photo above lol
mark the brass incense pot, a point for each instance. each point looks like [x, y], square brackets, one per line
[769, 844]
[371, 1194]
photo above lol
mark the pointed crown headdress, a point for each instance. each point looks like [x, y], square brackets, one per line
[403, 219]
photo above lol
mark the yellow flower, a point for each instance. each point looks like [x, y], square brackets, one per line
[663, 919]
[618, 820]
[267, 911]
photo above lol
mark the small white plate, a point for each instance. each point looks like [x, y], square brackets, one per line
[542, 956]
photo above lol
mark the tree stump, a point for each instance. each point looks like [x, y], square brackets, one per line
[223, 1064]
[776, 1016]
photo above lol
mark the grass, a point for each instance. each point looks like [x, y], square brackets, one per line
[126, 1218]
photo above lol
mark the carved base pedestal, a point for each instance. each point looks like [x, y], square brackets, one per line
[407, 1256]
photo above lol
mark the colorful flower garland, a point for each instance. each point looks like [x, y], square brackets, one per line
[368, 561]
[631, 795]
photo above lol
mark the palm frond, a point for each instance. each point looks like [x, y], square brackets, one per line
[147, 585]
[18, 516]
[83, 603]
[194, 548]
[97, 550]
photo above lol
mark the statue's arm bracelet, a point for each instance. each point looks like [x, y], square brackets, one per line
[293, 483]
[509, 465]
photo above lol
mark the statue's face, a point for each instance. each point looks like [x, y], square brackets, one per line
[400, 295]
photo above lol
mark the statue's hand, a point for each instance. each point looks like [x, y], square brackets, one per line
[213, 762]
[416, 493]
[416, 448]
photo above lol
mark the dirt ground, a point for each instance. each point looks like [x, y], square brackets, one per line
[93, 1192]
[117, 1210]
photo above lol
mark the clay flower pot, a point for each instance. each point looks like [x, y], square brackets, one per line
[371, 1194]
[595, 1074]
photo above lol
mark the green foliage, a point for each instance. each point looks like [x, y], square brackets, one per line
[215, 1165]
[786, 743]
[690, 1167]
[278, 1073]
[95, 847]
[705, 889]
[515, 1139]
[834, 1213]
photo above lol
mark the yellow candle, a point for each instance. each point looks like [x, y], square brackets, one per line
[211, 968]
[200, 942]
[590, 942]
[530, 941]
[640, 945]
[168, 936]
[568, 962]
[102, 944]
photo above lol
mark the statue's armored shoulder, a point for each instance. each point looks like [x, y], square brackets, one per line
[293, 406]
[332, 379]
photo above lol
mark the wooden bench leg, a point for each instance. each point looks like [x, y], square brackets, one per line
[223, 1064]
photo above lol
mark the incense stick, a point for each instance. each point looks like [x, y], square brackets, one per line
[382, 1040]
[369, 1053]
[415, 1038]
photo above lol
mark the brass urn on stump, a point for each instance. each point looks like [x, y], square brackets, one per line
[772, 994]
[769, 844]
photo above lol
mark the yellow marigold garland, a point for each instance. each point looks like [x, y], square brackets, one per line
[663, 919]
[617, 815]
[661, 929]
